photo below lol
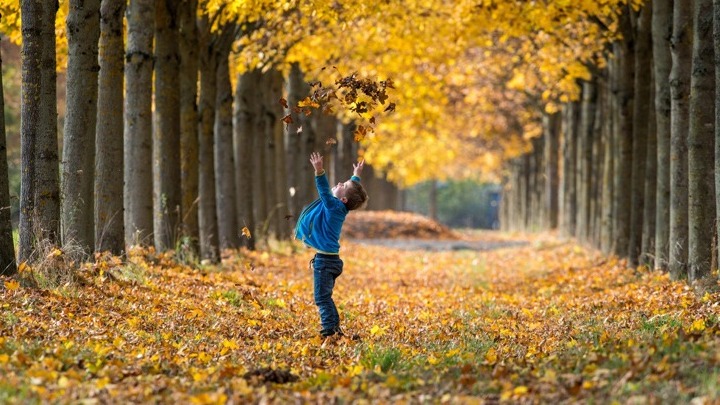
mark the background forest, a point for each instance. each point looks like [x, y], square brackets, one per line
[160, 153]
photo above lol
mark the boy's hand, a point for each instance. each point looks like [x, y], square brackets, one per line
[358, 167]
[317, 161]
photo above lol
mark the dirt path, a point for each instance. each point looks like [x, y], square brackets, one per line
[440, 245]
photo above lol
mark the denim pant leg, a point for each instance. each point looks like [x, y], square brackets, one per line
[326, 269]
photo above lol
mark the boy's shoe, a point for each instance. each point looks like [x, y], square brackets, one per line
[336, 331]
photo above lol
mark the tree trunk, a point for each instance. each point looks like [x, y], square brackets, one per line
[297, 89]
[681, 53]
[139, 59]
[109, 227]
[8, 265]
[224, 162]
[596, 171]
[608, 173]
[207, 210]
[83, 30]
[716, 43]
[40, 189]
[584, 156]
[624, 51]
[280, 178]
[662, 62]
[701, 147]
[649, 216]
[641, 113]
[569, 206]
[166, 138]
[551, 132]
[189, 167]
[246, 113]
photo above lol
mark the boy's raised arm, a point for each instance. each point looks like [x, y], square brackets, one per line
[357, 169]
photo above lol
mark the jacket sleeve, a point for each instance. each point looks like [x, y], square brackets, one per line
[323, 188]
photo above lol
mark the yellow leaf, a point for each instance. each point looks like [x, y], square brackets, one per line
[204, 357]
[521, 390]
[433, 360]
[230, 344]
[12, 285]
[246, 232]
[491, 356]
[698, 325]
[4, 358]
[55, 253]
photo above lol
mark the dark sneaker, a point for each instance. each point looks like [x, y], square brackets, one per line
[336, 331]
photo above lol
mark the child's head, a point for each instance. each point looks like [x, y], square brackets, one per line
[351, 193]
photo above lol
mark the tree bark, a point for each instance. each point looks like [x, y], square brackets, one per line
[716, 43]
[297, 89]
[40, 189]
[584, 156]
[189, 166]
[608, 173]
[246, 113]
[701, 147]
[662, 62]
[569, 145]
[551, 132]
[166, 138]
[83, 31]
[207, 214]
[8, 265]
[681, 53]
[625, 52]
[282, 227]
[224, 162]
[109, 227]
[139, 59]
[641, 113]
[647, 250]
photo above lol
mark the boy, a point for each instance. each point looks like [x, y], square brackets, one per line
[319, 227]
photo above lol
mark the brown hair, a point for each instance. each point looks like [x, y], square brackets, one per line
[356, 196]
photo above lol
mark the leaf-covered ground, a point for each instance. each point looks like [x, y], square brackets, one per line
[545, 322]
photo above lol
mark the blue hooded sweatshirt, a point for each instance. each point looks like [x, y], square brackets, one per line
[320, 223]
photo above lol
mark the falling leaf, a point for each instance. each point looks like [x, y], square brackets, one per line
[390, 107]
[287, 119]
[283, 103]
[331, 141]
[307, 102]
[299, 130]
[246, 232]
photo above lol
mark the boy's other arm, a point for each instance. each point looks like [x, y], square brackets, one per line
[321, 181]
[357, 170]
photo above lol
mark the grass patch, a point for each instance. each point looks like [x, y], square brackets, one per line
[384, 359]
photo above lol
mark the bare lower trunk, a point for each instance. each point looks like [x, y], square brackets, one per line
[681, 52]
[246, 112]
[138, 123]
[109, 228]
[83, 28]
[224, 162]
[551, 132]
[662, 61]
[701, 148]
[8, 265]
[641, 113]
[166, 138]
[189, 169]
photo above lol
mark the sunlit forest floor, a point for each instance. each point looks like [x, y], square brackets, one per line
[546, 321]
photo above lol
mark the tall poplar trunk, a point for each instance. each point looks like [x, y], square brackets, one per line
[584, 156]
[662, 62]
[569, 145]
[207, 210]
[189, 168]
[39, 189]
[625, 52]
[647, 250]
[716, 43]
[109, 228]
[224, 162]
[83, 30]
[551, 132]
[166, 137]
[597, 159]
[246, 113]
[282, 227]
[608, 173]
[681, 53]
[8, 265]
[297, 89]
[139, 60]
[641, 113]
[32, 11]
[701, 147]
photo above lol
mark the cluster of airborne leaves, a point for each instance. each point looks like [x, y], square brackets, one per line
[544, 322]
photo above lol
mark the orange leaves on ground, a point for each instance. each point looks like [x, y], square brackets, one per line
[543, 321]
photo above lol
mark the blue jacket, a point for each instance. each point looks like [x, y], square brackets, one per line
[320, 223]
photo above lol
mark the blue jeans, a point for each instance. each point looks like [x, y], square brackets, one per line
[326, 268]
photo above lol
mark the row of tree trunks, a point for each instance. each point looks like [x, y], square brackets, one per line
[638, 182]
[196, 170]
